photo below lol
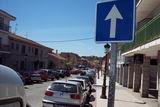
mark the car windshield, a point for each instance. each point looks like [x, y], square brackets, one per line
[62, 87]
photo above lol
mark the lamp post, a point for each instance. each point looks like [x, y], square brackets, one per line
[107, 48]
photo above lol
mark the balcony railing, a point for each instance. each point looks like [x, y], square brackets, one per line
[4, 48]
[4, 27]
[148, 33]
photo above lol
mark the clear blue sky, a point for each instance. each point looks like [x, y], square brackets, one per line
[52, 20]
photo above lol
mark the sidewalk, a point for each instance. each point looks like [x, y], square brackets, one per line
[124, 97]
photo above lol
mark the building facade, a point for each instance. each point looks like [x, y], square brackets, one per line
[5, 20]
[55, 61]
[141, 66]
[18, 52]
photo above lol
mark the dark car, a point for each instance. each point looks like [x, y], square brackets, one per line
[92, 75]
[27, 77]
[61, 73]
[56, 74]
[51, 75]
[67, 73]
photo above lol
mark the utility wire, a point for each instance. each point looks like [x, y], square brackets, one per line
[71, 40]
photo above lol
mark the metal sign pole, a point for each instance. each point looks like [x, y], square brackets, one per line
[112, 75]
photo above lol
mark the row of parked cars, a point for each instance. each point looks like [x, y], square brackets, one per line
[73, 92]
[43, 75]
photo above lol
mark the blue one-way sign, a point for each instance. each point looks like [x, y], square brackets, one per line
[115, 21]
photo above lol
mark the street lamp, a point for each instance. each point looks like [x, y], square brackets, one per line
[107, 49]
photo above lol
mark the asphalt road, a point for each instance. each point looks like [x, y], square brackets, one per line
[36, 92]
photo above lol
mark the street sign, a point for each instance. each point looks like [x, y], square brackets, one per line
[115, 21]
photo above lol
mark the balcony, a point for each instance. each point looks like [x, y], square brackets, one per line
[4, 27]
[4, 49]
[149, 32]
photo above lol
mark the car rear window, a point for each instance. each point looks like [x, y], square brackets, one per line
[78, 81]
[68, 88]
[87, 79]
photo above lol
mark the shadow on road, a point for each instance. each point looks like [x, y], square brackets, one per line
[138, 102]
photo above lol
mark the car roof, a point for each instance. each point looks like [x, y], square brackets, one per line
[66, 82]
[76, 79]
[83, 76]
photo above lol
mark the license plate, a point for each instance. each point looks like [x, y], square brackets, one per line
[47, 105]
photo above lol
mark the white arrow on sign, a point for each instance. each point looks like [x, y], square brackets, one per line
[113, 15]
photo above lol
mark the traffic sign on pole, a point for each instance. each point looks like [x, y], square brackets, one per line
[115, 21]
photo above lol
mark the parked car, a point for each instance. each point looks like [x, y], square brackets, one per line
[64, 94]
[48, 74]
[61, 73]
[85, 78]
[82, 81]
[92, 75]
[36, 77]
[51, 75]
[75, 71]
[67, 73]
[56, 74]
[89, 85]
[43, 74]
[27, 77]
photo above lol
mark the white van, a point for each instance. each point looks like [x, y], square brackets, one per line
[12, 92]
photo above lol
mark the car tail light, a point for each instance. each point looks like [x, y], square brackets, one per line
[49, 93]
[75, 96]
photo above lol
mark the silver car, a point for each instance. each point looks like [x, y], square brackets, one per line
[63, 93]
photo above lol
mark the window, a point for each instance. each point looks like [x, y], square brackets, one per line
[17, 47]
[23, 51]
[29, 49]
[36, 51]
[12, 45]
[22, 65]
[32, 50]
[41, 52]
[68, 88]
[1, 20]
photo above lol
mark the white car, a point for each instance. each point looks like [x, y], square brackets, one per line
[82, 81]
[35, 77]
[63, 93]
